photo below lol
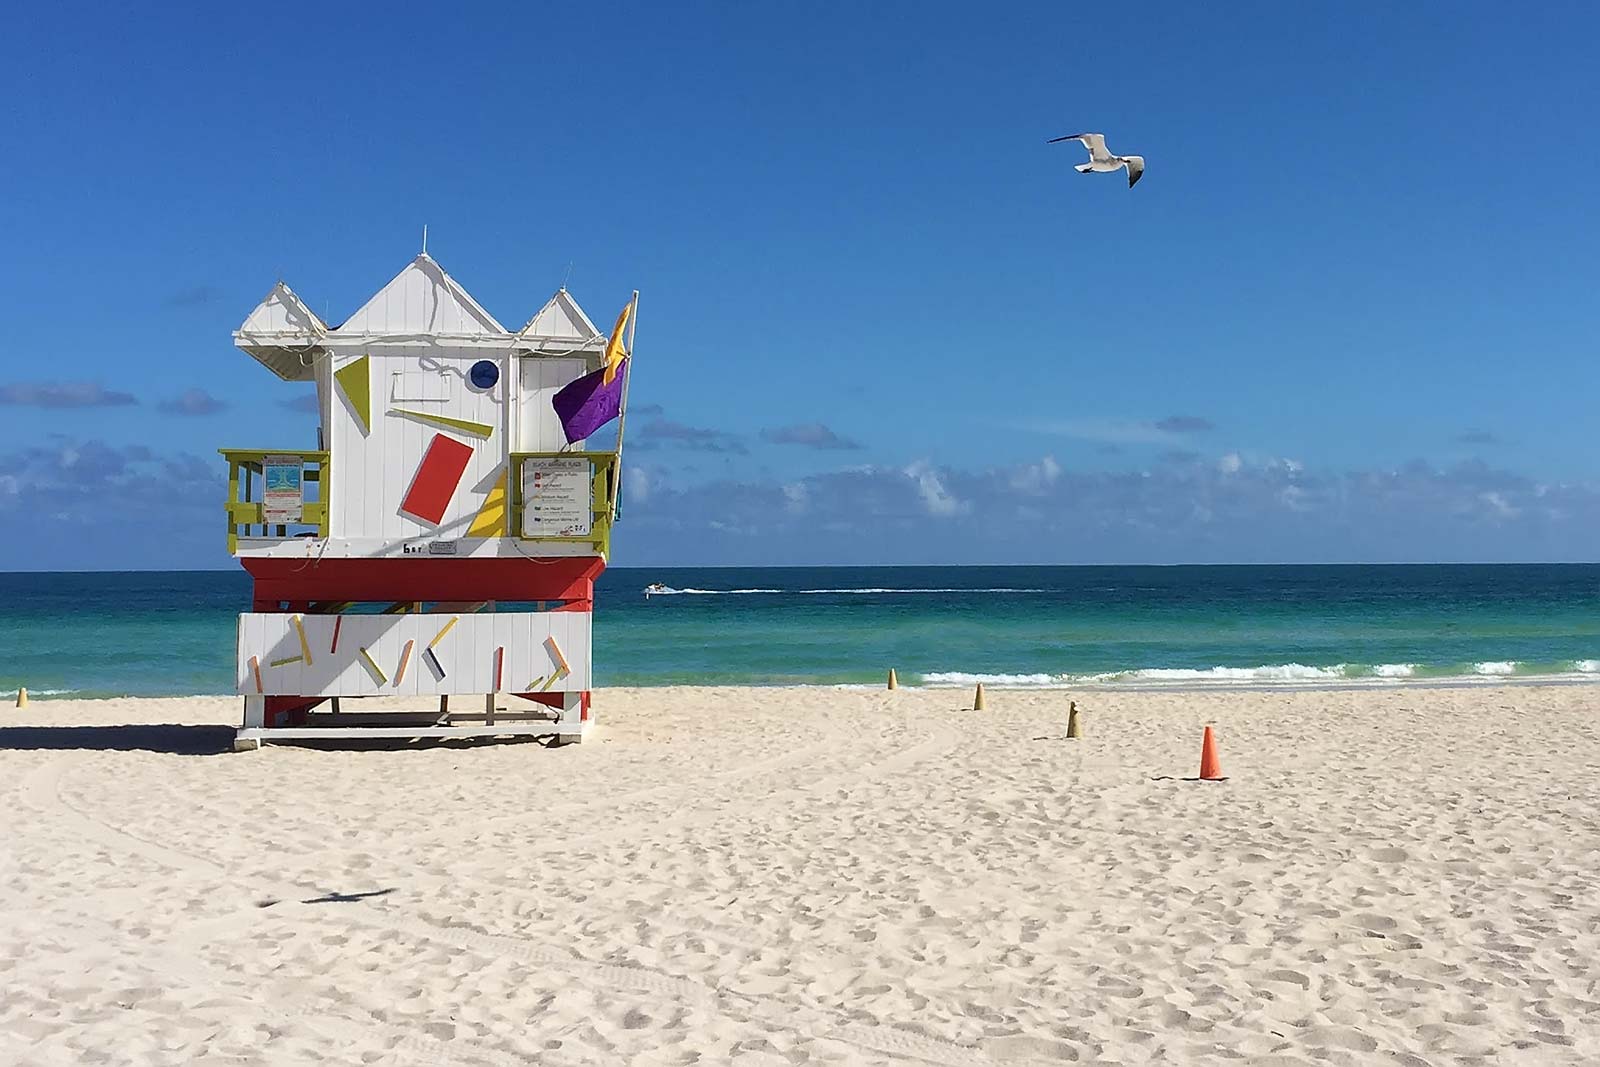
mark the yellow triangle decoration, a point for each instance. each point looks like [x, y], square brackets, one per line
[491, 520]
[356, 382]
[477, 429]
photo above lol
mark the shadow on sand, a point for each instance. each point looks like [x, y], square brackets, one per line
[157, 737]
[176, 740]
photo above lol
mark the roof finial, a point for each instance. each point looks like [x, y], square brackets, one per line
[424, 238]
[565, 278]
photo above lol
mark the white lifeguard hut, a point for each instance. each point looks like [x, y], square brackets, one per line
[443, 538]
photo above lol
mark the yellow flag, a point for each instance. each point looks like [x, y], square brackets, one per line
[615, 353]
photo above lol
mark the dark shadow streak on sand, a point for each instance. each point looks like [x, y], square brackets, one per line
[169, 738]
[175, 740]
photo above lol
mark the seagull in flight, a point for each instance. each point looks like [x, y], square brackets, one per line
[1101, 161]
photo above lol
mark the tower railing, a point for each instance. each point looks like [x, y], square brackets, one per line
[257, 509]
[572, 495]
[532, 508]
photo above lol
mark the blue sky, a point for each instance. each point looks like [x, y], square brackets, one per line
[1348, 314]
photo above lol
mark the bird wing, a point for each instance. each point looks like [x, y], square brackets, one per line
[1135, 166]
[1094, 142]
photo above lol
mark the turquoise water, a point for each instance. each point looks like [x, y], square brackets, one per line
[153, 633]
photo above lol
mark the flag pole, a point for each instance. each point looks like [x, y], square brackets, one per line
[622, 407]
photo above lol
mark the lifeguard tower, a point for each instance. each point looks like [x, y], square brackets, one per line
[443, 538]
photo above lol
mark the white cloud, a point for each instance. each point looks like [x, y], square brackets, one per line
[1035, 477]
[1238, 510]
[636, 483]
[935, 497]
[1498, 504]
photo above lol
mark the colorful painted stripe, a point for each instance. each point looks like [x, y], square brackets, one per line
[555, 650]
[405, 658]
[433, 661]
[442, 631]
[372, 665]
[477, 429]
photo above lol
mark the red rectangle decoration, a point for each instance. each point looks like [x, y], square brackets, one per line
[435, 481]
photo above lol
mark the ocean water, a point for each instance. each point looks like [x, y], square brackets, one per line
[152, 633]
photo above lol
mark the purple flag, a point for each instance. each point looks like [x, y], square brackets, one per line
[585, 404]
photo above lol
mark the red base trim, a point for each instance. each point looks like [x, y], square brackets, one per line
[569, 579]
[555, 700]
[288, 711]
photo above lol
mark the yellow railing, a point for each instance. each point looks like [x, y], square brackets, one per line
[247, 508]
[602, 497]
[565, 502]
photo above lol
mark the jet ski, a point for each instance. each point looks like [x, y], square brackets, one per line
[653, 588]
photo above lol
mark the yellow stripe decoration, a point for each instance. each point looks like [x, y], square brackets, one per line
[491, 520]
[442, 631]
[356, 381]
[477, 429]
[305, 646]
[372, 665]
[285, 662]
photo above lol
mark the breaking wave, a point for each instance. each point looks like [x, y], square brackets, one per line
[1267, 674]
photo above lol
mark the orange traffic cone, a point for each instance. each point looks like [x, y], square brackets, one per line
[1210, 765]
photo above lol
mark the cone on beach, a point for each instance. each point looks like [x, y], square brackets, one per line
[1074, 728]
[22, 698]
[894, 683]
[1210, 765]
[977, 698]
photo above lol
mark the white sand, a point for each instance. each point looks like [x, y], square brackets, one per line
[1399, 876]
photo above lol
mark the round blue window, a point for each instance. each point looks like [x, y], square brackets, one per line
[484, 373]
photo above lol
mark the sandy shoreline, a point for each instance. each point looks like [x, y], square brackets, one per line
[1401, 874]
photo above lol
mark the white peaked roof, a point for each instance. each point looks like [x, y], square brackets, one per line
[422, 302]
[283, 334]
[561, 319]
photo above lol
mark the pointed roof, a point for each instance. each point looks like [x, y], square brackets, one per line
[422, 300]
[282, 333]
[561, 319]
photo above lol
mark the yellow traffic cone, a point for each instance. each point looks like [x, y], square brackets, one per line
[1073, 727]
[22, 698]
[894, 683]
[977, 698]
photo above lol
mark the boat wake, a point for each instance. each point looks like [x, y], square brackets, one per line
[872, 591]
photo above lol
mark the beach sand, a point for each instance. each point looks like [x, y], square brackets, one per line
[790, 876]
